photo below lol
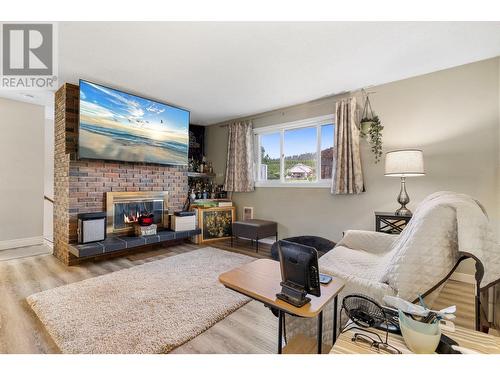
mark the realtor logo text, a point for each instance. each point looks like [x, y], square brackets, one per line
[28, 56]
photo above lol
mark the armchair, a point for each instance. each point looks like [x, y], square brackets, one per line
[417, 261]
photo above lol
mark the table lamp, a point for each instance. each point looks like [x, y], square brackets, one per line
[404, 163]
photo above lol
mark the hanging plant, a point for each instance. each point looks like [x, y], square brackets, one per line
[371, 127]
[365, 126]
[367, 116]
[376, 138]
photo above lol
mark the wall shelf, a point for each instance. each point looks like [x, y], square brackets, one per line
[201, 175]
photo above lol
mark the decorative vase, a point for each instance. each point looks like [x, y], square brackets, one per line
[145, 219]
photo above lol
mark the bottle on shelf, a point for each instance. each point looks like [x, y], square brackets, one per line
[190, 164]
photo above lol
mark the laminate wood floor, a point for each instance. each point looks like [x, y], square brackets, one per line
[250, 329]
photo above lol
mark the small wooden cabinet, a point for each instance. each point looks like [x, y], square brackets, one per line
[388, 222]
[215, 223]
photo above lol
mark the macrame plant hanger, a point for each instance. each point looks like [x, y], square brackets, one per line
[367, 115]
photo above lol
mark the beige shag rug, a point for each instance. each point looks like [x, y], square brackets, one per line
[151, 308]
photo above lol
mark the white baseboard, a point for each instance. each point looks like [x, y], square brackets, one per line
[463, 277]
[21, 242]
[267, 240]
[48, 243]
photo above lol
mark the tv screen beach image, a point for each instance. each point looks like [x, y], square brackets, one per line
[118, 126]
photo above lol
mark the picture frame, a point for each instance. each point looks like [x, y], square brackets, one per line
[216, 223]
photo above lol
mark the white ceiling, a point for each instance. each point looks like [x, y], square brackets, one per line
[221, 71]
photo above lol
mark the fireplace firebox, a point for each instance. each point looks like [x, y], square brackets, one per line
[123, 209]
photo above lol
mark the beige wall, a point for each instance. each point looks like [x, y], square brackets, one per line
[498, 155]
[453, 115]
[48, 181]
[21, 170]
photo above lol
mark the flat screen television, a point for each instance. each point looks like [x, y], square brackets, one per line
[115, 125]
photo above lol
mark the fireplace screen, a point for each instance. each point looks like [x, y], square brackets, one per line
[123, 209]
[127, 213]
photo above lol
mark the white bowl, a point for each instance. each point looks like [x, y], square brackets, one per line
[421, 338]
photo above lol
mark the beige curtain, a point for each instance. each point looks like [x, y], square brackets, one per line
[240, 158]
[347, 174]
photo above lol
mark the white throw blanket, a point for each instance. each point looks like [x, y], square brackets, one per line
[474, 232]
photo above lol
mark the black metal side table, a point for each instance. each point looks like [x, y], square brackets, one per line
[388, 222]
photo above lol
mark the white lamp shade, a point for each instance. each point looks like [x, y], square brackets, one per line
[404, 163]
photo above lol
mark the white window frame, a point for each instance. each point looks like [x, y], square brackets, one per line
[317, 122]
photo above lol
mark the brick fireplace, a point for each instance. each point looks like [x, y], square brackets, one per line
[80, 186]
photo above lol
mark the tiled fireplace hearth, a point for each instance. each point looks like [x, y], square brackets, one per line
[81, 186]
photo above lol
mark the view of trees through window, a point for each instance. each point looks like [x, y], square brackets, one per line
[326, 151]
[300, 147]
[300, 154]
[270, 156]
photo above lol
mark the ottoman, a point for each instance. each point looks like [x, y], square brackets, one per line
[254, 229]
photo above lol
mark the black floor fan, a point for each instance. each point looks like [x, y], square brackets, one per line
[365, 313]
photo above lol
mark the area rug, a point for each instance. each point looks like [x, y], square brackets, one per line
[151, 308]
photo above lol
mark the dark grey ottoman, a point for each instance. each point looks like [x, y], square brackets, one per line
[254, 229]
[322, 245]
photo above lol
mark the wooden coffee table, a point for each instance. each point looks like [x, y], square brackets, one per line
[261, 279]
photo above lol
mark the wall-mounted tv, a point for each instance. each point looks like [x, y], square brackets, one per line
[115, 125]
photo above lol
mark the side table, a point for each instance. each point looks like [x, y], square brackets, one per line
[388, 222]
[261, 279]
[466, 338]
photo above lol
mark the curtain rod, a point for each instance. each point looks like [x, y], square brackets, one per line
[252, 118]
[276, 111]
[225, 124]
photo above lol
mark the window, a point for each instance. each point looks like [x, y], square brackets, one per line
[270, 157]
[326, 151]
[295, 154]
[300, 147]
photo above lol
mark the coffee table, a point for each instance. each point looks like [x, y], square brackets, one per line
[261, 279]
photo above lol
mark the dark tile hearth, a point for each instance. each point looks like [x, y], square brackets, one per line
[167, 235]
[134, 241]
[112, 244]
[88, 249]
[151, 239]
